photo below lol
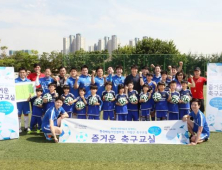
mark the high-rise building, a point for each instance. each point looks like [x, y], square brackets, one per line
[91, 48]
[131, 43]
[114, 42]
[106, 39]
[78, 42]
[136, 40]
[95, 47]
[100, 45]
[109, 46]
[66, 46]
[71, 42]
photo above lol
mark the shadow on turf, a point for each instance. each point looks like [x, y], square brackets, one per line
[39, 139]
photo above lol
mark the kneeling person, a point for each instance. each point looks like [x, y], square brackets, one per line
[51, 123]
[198, 125]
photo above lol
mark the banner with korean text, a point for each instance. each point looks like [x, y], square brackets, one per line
[214, 96]
[126, 132]
[9, 127]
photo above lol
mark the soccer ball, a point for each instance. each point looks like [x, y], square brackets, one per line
[156, 96]
[175, 99]
[48, 97]
[80, 105]
[108, 97]
[67, 100]
[122, 100]
[93, 100]
[38, 101]
[133, 99]
[185, 98]
[144, 97]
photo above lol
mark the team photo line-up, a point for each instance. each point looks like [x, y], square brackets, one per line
[141, 95]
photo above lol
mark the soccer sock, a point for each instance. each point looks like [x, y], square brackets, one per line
[26, 119]
[153, 118]
[143, 118]
[148, 118]
[20, 125]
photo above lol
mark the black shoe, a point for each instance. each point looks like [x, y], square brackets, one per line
[26, 130]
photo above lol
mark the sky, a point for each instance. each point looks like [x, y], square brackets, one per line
[194, 25]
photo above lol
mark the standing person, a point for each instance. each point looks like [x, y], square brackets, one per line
[98, 80]
[84, 80]
[71, 81]
[157, 74]
[52, 94]
[23, 107]
[165, 80]
[197, 90]
[180, 76]
[51, 122]
[80, 105]
[110, 72]
[33, 76]
[145, 71]
[60, 80]
[44, 81]
[174, 70]
[198, 128]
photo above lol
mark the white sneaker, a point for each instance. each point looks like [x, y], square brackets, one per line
[20, 130]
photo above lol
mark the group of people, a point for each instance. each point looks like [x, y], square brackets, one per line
[141, 95]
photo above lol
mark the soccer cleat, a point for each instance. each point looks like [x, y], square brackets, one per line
[29, 132]
[26, 129]
[48, 137]
[38, 131]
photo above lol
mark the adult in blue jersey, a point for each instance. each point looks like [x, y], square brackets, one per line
[45, 81]
[23, 107]
[198, 128]
[98, 80]
[157, 74]
[71, 82]
[51, 121]
[117, 79]
[84, 80]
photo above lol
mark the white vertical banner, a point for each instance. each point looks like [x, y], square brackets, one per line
[125, 132]
[214, 96]
[9, 127]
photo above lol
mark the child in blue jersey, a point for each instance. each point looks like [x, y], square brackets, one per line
[198, 128]
[146, 106]
[52, 92]
[121, 104]
[94, 102]
[81, 112]
[37, 110]
[68, 107]
[165, 80]
[161, 106]
[23, 107]
[132, 107]
[184, 108]
[51, 121]
[108, 104]
[173, 108]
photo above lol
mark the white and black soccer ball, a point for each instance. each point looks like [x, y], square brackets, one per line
[93, 100]
[133, 99]
[80, 105]
[122, 100]
[38, 101]
[109, 97]
[67, 100]
[185, 98]
[175, 99]
[157, 96]
[48, 97]
[144, 97]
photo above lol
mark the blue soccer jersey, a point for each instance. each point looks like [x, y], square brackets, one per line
[200, 120]
[36, 111]
[94, 110]
[146, 105]
[82, 111]
[84, 82]
[162, 105]
[51, 102]
[121, 109]
[71, 81]
[44, 82]
[108, 105]
[51, 114]
[130, 106]
[116, 80]
[185, 106]
[144, 79]
[67, 107]
[156, 79]
[99, 82]
[173, 107]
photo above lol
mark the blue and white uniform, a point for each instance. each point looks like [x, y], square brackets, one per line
[162, 106]
[81, 114]
[84, 82]
[116, 80]
[173, 109]
[156, 79]
[44, 82]
[121, 111]
[23, 107]
[200, 120]
[145, 107]
[71, 81]
[68, 108]
[184, 108]
[99, 82]
[108, 106]
[50, 103]
[36, 114]
[51, 114]
[133, 113]
[94, 110]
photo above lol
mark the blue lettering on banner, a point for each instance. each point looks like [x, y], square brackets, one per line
[95, 138]
[111, 138]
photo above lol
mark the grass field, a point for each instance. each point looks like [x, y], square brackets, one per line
[34, 152]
